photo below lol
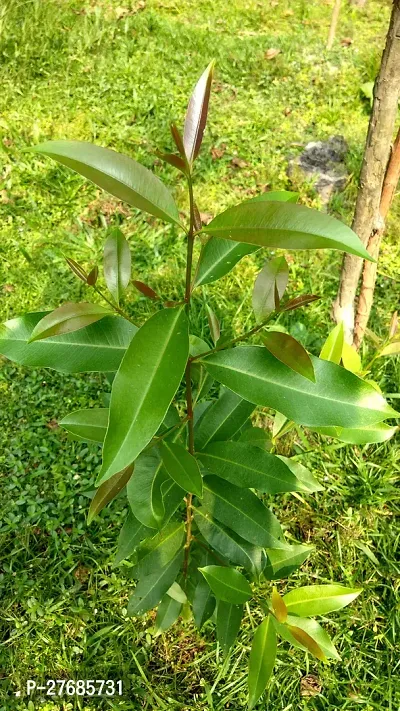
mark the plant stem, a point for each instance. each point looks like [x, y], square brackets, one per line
[209, 550]
[113, 306]
[189, 397]
[238, 339]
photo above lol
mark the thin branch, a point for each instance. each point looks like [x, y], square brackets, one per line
[110, 303]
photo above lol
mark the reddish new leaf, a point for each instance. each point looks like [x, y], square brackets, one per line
[290, 352]
[299, 301]
[77, 269]
[145, 289]
[196, 115]
[173, 159]
[93, 276]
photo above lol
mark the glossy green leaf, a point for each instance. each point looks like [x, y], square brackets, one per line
[66, 319]
[227, 584]
[172, 497]
[182, 467]
[228, 621]
[368, 435]
[89, 425]
[319, 599]
[290, 352]
[222, 420]
[248, 466]
[314, 630]
[273, 277]
[144, 387]
[333, 347]
[118, 174]
[228, 543]
[213, 324]
[108, 491]
[98, 347]
[196, 115]
[391, 349]
[156, 552]
[302, 474]
[203, 603]
[117, 263]
[176, 592]
[167, 613]
[131, 534]
[285, 225]
[275, 196]
[150, 590]
[218, 257]
[242, 510]
[281, 563]
[256, 436]
[337, 397]
[350, 358]
[145, 490]
[262, 659]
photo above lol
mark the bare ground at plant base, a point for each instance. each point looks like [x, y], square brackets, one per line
[116, 72]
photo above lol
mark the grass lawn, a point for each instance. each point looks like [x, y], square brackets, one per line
[116, 72]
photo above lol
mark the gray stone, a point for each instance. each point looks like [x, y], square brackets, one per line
[323, 163]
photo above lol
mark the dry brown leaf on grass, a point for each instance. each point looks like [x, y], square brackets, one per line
[272, 53]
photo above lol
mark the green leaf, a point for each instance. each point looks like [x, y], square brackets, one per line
[218, 257]
[262, 659]
[67, 318]
[368, 435]
[144, 387]
[145, 490]
[213, 324]
[286, 226]
[89, 425]
[117, 264]
[275, 196]
[156, 552]
[227, 584]
[118, 174]
[222, 420]
[350, 358]
[167, 613]
[391, 349]
[319, 599]
[302, 474]
[228, 622]
[176, 592]
[290, 352]
[243, 510]
[196, 115]
[256, 436]
[272, 278]
[228, 543]
[314, 630]
[108, 491]
[150, 590]
[337, 397]
[182, 467]
[203, 603]
[172, 498]
[131, 534]
[281, 563]
[250, 467]
[333, 347]
[98, 347]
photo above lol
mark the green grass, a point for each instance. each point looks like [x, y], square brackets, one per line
[71, 69]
